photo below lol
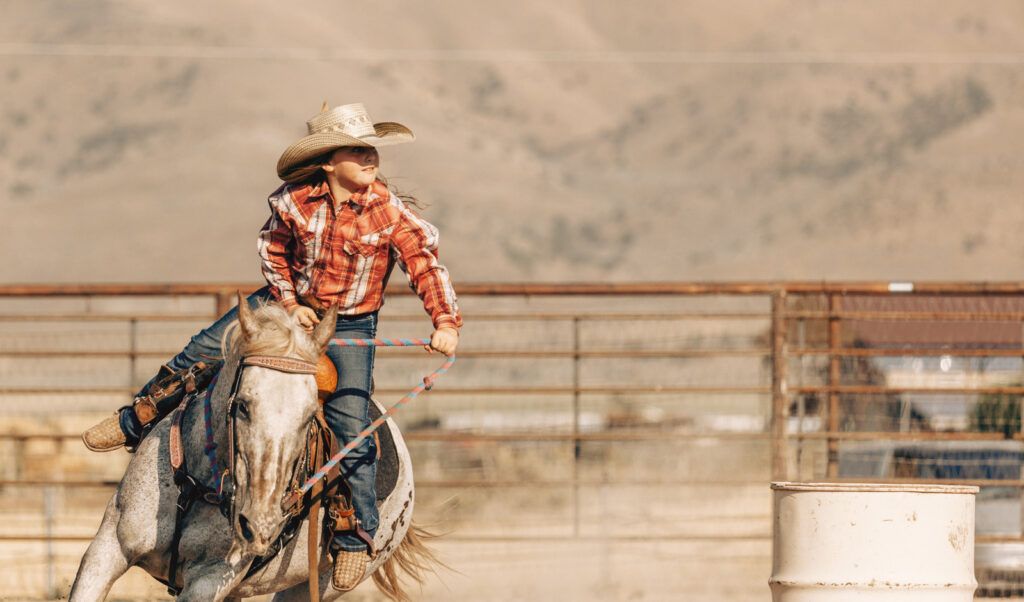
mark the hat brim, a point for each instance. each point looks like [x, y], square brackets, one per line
[386, 133]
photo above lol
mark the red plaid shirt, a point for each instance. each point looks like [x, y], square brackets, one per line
[311, 250]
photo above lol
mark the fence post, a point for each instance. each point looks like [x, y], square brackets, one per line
[801, 403]
[780, 409]
[49, 511]
[576, 426]
[834, 373]
[225, 301]
[133, 351]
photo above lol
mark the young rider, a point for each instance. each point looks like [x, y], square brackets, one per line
[334, 233]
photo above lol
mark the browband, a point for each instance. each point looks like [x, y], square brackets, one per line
[281, 364]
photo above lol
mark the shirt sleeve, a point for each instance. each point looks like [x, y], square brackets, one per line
[274, 244]
[415, 241]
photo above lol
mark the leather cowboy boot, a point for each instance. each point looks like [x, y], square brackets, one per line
[130, 424]
[105, 436]
[349, 566]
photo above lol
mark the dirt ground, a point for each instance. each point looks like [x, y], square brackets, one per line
[702, 541]
[536, 570]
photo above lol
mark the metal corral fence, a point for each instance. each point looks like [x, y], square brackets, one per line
[585, 423]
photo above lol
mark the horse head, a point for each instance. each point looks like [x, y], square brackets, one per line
[272, 404]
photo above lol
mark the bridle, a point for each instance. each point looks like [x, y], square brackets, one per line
[191, 489]
[272, 362]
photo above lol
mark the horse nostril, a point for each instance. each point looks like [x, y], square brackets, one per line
[243, 524]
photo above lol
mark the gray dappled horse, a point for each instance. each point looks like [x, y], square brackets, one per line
[274, 410]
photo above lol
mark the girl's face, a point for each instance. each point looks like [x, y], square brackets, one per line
[354, 167]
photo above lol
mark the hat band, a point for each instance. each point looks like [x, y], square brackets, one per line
[349, 131]
[357, 125]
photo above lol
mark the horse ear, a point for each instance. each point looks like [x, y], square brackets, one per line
[246, 318]
[325, 329]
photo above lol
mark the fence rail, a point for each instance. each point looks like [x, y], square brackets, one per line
[658, 386]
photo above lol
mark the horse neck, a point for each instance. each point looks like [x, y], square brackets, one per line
[195, 424]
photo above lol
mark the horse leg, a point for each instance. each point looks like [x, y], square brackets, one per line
[102, 563]
[210, 582]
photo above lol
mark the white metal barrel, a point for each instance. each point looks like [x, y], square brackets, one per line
[855, 541]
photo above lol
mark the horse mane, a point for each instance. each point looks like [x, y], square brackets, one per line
[277, 333]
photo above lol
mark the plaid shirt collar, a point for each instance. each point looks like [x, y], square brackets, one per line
[322, 192]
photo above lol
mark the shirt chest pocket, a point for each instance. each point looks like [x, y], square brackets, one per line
[369, 245]
[308, 242]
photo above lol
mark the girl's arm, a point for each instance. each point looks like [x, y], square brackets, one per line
[275, 245]
[415, 242]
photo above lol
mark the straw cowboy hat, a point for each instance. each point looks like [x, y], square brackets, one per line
[347, 125]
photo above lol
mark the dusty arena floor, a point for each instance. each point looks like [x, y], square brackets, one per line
[567, 571]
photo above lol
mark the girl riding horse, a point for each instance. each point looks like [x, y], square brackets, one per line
[334, 234]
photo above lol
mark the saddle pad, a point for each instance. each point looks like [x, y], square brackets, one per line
[387, 465]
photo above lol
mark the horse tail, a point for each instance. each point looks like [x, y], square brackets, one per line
[413, 557]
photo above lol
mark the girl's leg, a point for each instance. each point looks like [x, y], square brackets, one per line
[347, 413]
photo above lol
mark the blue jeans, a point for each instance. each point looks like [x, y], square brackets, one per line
[346, 412]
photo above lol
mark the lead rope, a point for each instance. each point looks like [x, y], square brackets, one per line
[428, 383]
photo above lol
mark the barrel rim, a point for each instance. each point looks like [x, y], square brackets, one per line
[875, 487]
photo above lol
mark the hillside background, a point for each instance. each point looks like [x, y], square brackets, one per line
[557, 141]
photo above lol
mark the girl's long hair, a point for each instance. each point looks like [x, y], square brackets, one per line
[310, 172]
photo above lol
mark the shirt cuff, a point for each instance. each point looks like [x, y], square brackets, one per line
[288, 300]
[447, 321]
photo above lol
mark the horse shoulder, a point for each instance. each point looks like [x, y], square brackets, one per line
[146, 500]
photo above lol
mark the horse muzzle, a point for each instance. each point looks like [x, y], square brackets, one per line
[255, 535]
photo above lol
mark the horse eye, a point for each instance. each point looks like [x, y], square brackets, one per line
[242, 409]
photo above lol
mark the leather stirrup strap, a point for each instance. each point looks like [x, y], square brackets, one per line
[318, 449]
[176, 449]
[314, 552]
[188, 491]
